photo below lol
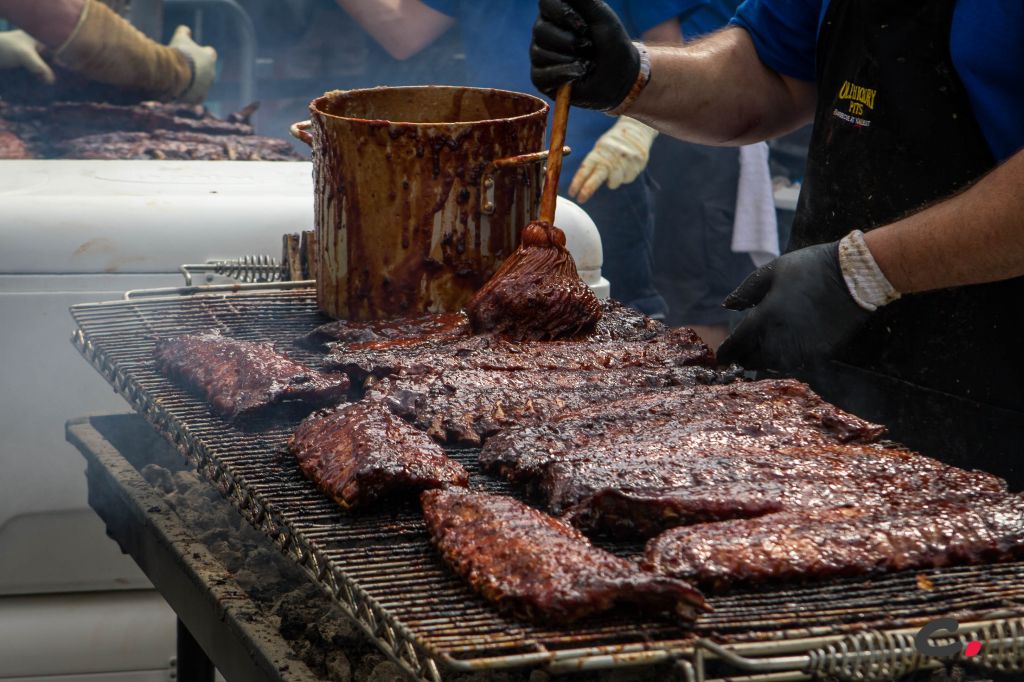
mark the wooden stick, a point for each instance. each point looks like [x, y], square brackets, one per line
[561, 120]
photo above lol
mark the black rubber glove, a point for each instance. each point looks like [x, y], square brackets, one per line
[583, 41]
[802, 311]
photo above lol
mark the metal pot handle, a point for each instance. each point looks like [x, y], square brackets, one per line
[487, 205]
[298, 131]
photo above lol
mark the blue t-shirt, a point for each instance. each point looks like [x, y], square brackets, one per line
[986, 44]
[496, 38]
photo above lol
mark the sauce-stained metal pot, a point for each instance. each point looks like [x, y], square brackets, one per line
[421, 192]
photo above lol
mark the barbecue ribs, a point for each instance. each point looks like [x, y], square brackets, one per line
[711, 479]
[149, 130]
[850, 541]
[360, 452]
[176, 146]
[468, 405]
[538, 567]
[776, 413]
[241, 377]
[386, 334]
[674, 348]
[618, 323]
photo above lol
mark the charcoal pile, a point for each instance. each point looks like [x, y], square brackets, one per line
[148, 130]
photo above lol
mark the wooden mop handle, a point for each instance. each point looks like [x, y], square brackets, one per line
[561, 119]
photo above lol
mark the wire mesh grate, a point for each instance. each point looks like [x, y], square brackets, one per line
[381, 567]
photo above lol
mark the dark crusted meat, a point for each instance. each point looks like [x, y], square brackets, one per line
[397, 333]
[240, 377]
[467, 405]
[148, 130]
[360, 452]
[675, 348]
[536, 294]
[618, 323]
[176, 146]
[841, 542]
[776, 413]
[711, 478]
[538, 567]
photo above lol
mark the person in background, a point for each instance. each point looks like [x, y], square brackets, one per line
[490, 30]
[89, 38]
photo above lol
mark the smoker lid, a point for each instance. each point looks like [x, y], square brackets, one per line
[146, 216]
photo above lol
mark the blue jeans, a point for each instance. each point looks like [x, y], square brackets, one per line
[625, 219]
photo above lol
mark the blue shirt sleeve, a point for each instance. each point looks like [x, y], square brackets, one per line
[785, 33]
[448, 7]
[641, 15]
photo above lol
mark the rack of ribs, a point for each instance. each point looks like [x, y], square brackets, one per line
[468, 405]
[403, 330]
[538, 567]
[710, 478]
[675, 348]
[618, 323]
[777, 413]
[242, 377]
[360, 453]
[849, 541]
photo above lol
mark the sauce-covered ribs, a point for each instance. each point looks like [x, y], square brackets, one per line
[360, 453]
[538, 567]
[674, 348]
[848, 541]
[241, 377]
[775, 413]
[468, 405]
[711, 479]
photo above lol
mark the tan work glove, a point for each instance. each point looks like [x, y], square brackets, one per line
[108, 49]
[20, 50]
[618, 157]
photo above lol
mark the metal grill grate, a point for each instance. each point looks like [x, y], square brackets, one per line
[383, 571]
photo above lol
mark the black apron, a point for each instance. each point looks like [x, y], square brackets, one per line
[893, 132]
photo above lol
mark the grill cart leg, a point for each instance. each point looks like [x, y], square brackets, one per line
[193, 663]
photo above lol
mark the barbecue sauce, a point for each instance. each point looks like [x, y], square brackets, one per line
[536, 294]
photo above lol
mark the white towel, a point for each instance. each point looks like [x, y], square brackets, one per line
[755, 230]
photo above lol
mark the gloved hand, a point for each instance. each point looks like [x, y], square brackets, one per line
[802, 311]
[204, 64]
[618, 157]
[20, 50]
[583, 41]
[108, 49]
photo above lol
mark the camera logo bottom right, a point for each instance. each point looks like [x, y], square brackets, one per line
[947, 627]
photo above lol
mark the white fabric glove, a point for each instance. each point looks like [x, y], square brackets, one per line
[20, 50]
[618, 157]
[204, 64]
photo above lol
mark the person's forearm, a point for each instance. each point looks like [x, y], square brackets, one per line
[716, 91]
[51, 23]
[974, 237]
[402, 27]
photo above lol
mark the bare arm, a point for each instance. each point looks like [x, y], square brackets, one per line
[976, 236]
[402, 27]
[48, 21]
[716, 91]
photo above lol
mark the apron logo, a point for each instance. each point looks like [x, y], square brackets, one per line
[857, 98]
